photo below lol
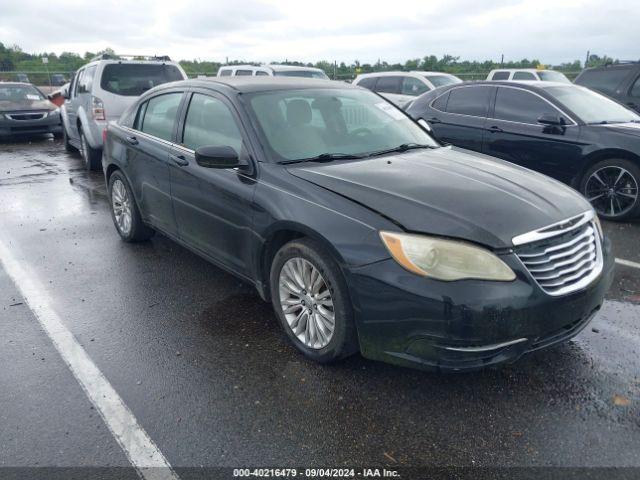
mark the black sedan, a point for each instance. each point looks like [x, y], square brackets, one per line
[24, 110]
[565, 131]
[363, 232]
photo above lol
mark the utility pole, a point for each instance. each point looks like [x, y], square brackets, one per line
[586, 60]
[502, 60]
[335, 69]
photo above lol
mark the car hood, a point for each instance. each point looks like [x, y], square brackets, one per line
[17, 106]
[450, 192]
[629, 128]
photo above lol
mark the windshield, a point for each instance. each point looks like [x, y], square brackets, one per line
[592, 107]
[301, 73]
[442, 80]
[551, 76]
[302, 124]
[19, 93]
[133, 79]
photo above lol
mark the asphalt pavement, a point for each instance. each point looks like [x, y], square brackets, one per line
[200, 362]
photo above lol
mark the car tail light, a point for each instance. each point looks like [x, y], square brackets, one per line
[97, 108]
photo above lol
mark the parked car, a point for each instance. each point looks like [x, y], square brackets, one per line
[527, 74]
[101, 90]
[271, 71]
[360, 229]
[565, 131]
[24, 110]
[57, 80]
[619, 81]
[401, 88]
[22, 78]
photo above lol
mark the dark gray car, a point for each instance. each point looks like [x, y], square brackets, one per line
[25, 110]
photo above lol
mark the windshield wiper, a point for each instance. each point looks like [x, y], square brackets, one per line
[326, 157]
[402, 148]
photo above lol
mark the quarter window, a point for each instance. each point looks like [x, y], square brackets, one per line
[413, 86]
[225, 73]
[388, 84]
[635, 90]
[244, 73]
[160, 115]
[210, 122]
[517, 105]
[524, 76]
[469, 101]
[440, 103]
[500, 76]
[261, 73]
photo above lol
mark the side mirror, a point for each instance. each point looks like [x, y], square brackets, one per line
[65, 93]
[424, 124]
[214, 156]
[551, 120]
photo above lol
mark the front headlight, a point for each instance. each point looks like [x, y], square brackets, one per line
[445, 259]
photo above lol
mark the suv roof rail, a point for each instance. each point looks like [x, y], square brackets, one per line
[621, 62]
[108, 56]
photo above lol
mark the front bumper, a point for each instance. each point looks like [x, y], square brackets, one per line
[48, 124]
[465, 325]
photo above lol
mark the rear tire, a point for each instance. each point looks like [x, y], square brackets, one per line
[307, 289]
[92, 156]
[612, 188]
[124, 210]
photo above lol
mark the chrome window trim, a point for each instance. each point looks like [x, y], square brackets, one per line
[573, 122]
[544, 232]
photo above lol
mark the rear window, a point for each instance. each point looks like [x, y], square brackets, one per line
[244, 73]
[133, 79]
[605, 80]
[500, 76]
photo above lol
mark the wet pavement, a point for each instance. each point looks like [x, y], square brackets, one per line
[200, 360]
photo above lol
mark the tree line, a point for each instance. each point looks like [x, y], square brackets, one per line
[13, 58]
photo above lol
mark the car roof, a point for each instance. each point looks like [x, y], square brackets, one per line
[249, 84]
[523, 70]
[524, 84]
[16, 84]
[399, 72]
[274, 67]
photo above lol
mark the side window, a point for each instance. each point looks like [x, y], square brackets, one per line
[160, 115]
[85, 83]
[389, 84]
[635, 89]
[469, 101]
[524, 76]
[440, 103]
[77, 82]
[605, 79]
[137, 123]
[261, 73]
[244, 73]
[500, 76]
[368, 82]
[413, 86]
[225, 73]
[517, 105]
[210, 122]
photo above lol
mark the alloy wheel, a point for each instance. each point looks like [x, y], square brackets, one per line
[612, 190]
[306, 302]
[121, 204]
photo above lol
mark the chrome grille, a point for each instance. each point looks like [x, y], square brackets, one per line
[26, 116]
[564, 257]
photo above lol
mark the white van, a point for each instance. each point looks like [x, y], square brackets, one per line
[527, 74]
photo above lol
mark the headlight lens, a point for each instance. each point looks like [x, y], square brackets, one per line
[445, 259]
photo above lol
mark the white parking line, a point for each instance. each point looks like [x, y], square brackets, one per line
[627, 263]
[143, 454]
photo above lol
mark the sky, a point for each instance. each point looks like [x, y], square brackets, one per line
[553, 31]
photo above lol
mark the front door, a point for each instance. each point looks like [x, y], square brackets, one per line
[514, 134]
[212, 206]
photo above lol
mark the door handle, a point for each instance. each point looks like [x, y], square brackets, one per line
[179, 160]
[495, 129]
[632, 105]
[132, 140]
[434, 120]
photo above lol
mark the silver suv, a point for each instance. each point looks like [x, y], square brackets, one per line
[100, 91]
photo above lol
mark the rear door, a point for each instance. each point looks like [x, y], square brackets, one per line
[148, 147]
[213, 206]
[459, 116]
[514, 134]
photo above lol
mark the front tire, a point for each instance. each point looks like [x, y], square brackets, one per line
[124, 211]
[611, 186]
[92, 156]
[311, 300]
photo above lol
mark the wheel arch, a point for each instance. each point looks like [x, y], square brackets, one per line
[600, 155]
[279, 235]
